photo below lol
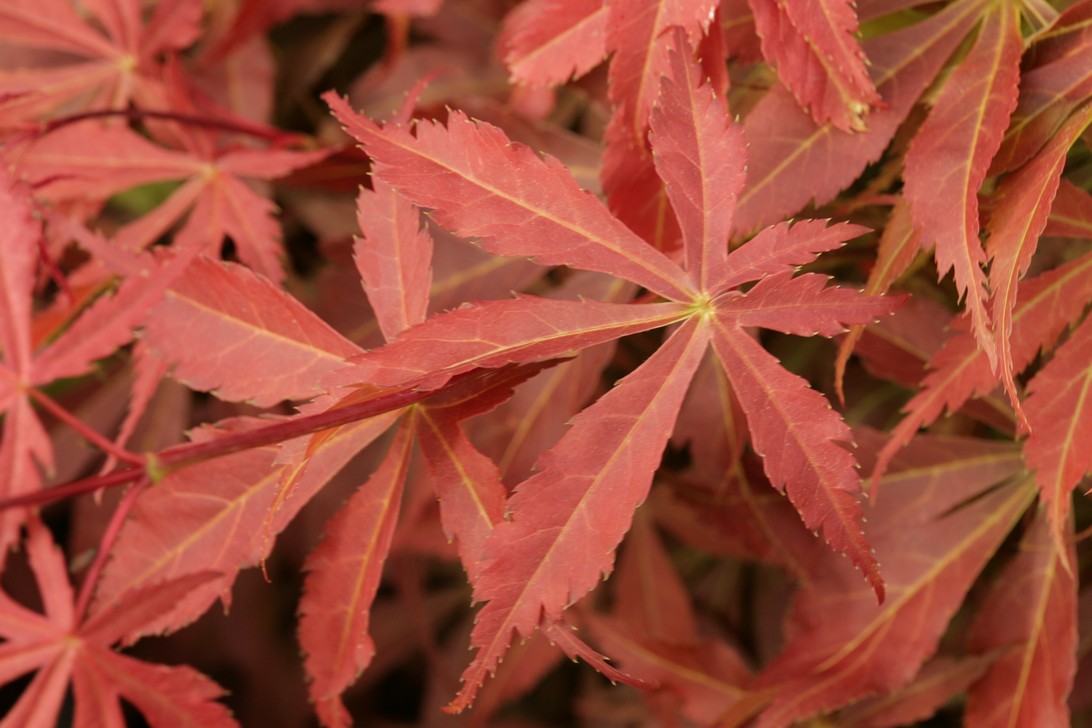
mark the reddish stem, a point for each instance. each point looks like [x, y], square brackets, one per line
[106, 545]
[275, 136]
[86, 432]
[180, 455]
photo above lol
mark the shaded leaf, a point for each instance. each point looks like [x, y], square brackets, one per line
[930, 561]
[1031, 617]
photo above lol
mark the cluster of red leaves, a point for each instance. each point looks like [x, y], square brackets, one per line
[606, 273]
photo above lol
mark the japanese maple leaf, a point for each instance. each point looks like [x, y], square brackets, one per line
[92, 162]
[64, 648]
[112, 56]
[653, 632]
[1055, 79]
[1023, 202]
[639, 40]
[566, 520]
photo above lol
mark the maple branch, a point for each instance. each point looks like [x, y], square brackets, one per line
[180, 455]
[73, 488]
[106, 545]
[275, 136]
[158, 464]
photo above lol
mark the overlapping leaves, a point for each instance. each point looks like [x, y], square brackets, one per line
[543, 558]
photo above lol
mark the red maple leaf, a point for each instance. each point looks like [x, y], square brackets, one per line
[64, 647]
[565, 521]
[104, 59]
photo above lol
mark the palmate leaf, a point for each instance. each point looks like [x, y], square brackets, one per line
[567, 520]
[495, 333]
[1071, 213]
[544, 405]
[819, 477]
[105, 325]
[346, 567]
[534, 206]
[64, 648]
[1055, 82]
[702, 191]
[394, 258]
[640, 38]
[344, 573]
[538, 562]
[92, 42]
[90, 162]
[215, 515]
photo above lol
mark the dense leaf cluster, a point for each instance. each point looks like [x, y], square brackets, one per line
[545, 292]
